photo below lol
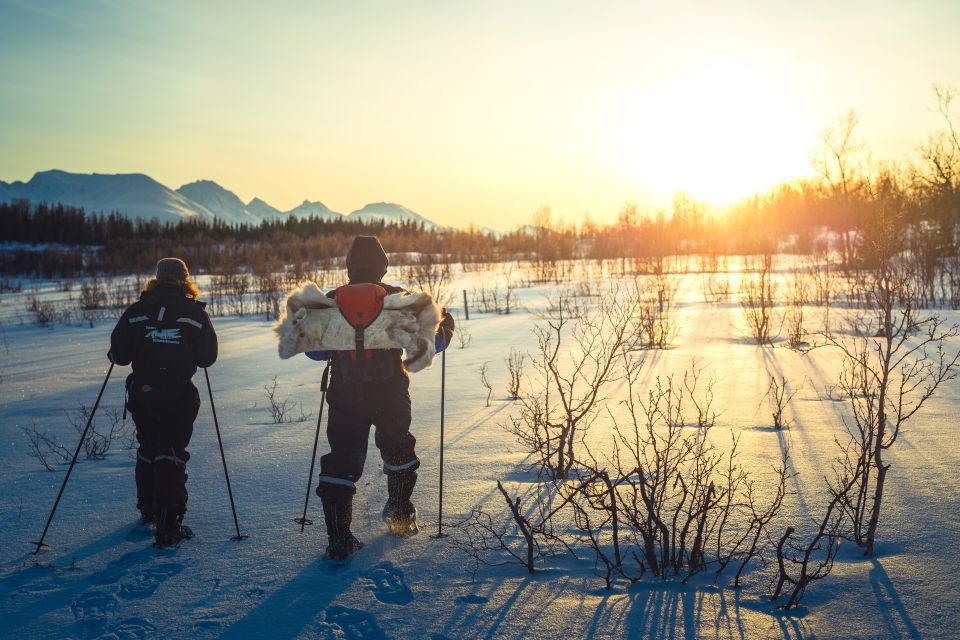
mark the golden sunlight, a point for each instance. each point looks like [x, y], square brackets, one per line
[719, 133]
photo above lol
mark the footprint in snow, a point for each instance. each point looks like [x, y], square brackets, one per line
[130, 629]
[94, 604]
[352, 624]
[92, 611]
[143, 584]
[388, 585]
[472, 600]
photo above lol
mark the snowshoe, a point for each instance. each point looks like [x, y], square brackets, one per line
[167, 537]
[401, 520]
[339, 551]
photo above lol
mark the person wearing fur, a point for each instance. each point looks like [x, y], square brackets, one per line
[165, 335]
[371, 388]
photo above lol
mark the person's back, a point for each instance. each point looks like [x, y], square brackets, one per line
[165, 335]
[368, 387]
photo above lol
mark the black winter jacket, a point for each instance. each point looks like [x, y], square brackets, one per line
[164, 334]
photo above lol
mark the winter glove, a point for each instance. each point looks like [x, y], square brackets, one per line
[110, 357]
[444, 332]
[319, 356]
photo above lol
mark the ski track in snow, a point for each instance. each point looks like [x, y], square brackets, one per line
[102, 579]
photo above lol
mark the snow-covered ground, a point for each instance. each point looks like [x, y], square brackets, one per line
[103, 579]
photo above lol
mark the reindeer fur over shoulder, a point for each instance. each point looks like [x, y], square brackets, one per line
[312, 322]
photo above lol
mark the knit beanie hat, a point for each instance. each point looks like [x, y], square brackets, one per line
[172, 269]
[366, 260]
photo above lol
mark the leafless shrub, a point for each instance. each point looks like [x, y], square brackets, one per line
[756, 300]
[689, 503]
[279, 409]
[430, 274]
[801, 564]
[45, 448]
[268, 294]
[121, 293]
[889, 373]
[716, 287]
[574, 363]
[237, 286]
[778, 397]
[654, 325]
[485, 382]
[515, 363]
[526, 537]
[93, 294]
[97, 442]
[463, 336]
[44, 312]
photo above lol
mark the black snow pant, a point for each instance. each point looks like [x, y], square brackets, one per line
[164, 411]
[353, 409]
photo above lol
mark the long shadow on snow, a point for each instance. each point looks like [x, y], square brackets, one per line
[888, 601]
[300, 602]
[63, 597]
[671, 610]
[468, 620]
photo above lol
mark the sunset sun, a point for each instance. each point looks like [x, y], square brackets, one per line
[720, 134]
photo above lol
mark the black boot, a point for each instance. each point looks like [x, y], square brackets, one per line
[338, 514]
[170, 532]
[399, 514]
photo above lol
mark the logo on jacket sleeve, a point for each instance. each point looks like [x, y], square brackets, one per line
[165, 336]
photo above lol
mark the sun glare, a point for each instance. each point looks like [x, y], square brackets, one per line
[719, 134]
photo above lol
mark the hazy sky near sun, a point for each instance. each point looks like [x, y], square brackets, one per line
[465, 111]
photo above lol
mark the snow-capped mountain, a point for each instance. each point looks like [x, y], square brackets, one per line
[133, 194]
[263, 210]
[139, 196]
[224, 204]
[390, 212]
[317, 209]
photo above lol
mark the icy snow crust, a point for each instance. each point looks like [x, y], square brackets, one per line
[102, 578]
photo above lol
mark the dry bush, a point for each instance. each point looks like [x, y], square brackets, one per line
[485, 382]
[654, 326]
[515, 363]
[97, 442]
[778, 396]
[757, 293]
[430, 274]
[574, 362]
[279, 408]
[45, 448]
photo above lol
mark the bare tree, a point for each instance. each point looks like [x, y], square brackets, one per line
[889, 372]
[756, 300]
[574, 362]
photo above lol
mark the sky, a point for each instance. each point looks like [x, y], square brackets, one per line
[466, 112]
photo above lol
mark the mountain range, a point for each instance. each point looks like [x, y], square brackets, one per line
[137, 196]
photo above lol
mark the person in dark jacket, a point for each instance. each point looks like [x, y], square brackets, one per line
[165, 335]
[369, 388]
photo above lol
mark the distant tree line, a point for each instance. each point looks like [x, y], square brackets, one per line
[850, 195]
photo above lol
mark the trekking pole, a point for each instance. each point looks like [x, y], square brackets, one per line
[304, 520]
[226, 474]
[443, 389]
[63, 486]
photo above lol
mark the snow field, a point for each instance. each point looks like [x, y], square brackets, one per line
[102, 579]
